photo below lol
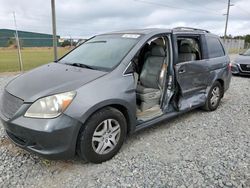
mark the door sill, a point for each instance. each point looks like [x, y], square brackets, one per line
[158, 119]
[149, 114]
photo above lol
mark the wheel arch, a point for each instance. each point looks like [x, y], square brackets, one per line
[222, 85]
[122, 106]
[125, 112]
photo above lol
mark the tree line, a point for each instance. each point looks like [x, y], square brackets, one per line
[242, 37]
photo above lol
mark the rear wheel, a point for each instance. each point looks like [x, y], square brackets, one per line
[214, 97]
[102, 136]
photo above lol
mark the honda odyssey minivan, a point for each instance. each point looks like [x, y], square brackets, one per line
[113, 85]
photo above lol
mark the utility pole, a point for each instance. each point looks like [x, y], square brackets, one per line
[18, 45]
[71, 42]
[54, 28]
[227, 14]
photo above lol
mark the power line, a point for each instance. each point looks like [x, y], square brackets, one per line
[214, 10]
[246, 12]
[174, 7]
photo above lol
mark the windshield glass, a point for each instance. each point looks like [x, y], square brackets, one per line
[247, 53]
[102, 52]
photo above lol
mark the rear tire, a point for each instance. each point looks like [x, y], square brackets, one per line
[102, 136]
[214, 97]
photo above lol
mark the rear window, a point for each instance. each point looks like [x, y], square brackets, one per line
[215, 48]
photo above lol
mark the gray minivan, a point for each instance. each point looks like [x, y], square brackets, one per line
[111, 86]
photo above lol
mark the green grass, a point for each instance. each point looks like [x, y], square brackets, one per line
[32, 57]
[236, 51]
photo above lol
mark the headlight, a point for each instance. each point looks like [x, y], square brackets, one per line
[51, 106]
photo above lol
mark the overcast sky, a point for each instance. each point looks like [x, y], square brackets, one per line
[84, 18]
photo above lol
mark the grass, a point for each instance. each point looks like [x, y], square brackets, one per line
[236, 51]
[32, 57]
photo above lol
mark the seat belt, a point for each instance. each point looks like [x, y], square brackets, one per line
[162, 74]
[162, 77]
[136, 77]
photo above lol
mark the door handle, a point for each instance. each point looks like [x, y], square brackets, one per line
[182, 71]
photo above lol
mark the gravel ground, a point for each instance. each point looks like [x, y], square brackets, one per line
[198, 149]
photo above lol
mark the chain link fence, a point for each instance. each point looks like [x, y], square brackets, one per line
[37, 51]
[34, 52]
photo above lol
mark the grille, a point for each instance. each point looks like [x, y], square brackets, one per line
[9, 104]
[245, 67]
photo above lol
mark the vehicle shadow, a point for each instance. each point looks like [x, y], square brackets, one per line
[160, 126]
[241, 76]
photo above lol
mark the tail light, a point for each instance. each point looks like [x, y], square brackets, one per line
[230, 66]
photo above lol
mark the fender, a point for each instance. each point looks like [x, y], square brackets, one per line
[130, 116]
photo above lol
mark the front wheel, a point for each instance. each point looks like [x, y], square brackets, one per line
[102, 136]
[214, 97]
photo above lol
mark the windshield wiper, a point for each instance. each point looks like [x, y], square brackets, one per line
[79, 65]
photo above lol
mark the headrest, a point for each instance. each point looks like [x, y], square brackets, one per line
[185, 48]
[158, 51]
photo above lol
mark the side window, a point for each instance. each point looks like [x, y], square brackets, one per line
[215, 48]
[189, 49]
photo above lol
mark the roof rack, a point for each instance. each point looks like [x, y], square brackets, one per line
[191, 28]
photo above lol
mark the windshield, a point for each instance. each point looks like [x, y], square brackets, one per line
[102, 52]
[247, 53]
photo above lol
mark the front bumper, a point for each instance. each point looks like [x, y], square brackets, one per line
[51, 138]
[236, 70]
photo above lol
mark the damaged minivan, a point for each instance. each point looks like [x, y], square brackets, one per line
[113, 85]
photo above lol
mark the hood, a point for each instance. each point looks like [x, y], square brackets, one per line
[241, 59]
[50, 79]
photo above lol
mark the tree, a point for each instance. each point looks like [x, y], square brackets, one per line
[65, 43]
[247, 38]
[68, 42]
[239, 37]
[12, 42]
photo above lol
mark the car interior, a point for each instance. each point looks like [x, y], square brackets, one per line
[188, 49]
[150, 66]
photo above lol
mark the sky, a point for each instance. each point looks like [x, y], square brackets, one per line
[85, 18]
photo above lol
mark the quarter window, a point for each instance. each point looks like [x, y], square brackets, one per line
[215, 48]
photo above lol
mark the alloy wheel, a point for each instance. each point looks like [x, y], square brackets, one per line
[215, 96]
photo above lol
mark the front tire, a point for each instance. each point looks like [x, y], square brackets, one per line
[102, 136]
[214, 97]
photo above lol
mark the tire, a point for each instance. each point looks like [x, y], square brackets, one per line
[214, 97]
[101, 131]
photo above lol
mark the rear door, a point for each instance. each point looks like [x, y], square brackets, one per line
[191, 71]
